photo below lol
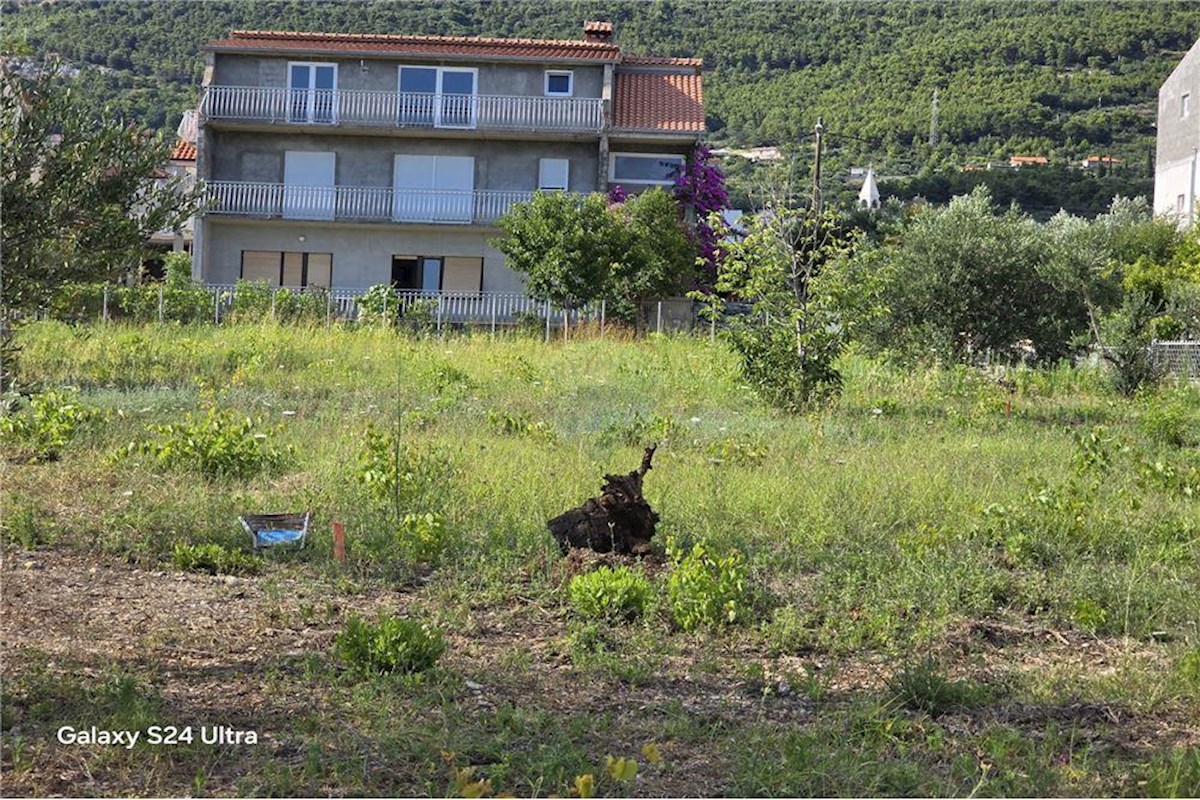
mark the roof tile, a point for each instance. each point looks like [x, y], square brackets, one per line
[657, 101]
[404, 44]
[184, 151]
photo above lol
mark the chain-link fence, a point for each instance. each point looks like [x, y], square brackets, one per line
[1180, 358]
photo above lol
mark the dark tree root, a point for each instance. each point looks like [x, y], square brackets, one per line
[618, 521]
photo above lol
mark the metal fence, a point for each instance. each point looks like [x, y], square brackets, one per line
[1179, 358]
[433, 311]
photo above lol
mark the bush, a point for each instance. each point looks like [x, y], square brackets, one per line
[611, 594]
[705, 590]
[46, 427]
[378, 306]
[422, 537]
[214, 559]
[217, 444]
[1173, 418]
[391, 645]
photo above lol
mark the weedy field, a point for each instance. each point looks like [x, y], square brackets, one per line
[937, 585]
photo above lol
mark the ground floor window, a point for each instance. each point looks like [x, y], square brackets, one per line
[437, 273]
[653, 168]
[283, 268]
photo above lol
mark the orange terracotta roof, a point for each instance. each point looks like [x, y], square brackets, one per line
[184, 151]
[1029, 160]
[358, 43]
[658, 101]
[661, 60]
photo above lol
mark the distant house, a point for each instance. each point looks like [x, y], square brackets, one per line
[1018, 162]
[182, 163]
[1178, 139]
[1097, 162]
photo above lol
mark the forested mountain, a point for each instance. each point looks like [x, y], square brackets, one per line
[1061, 79]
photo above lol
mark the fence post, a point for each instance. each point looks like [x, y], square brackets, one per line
[660, 316]
[385, 299]
[328, 309]
[439, 316]
[104, 309]
[160, 304]
[712, 326]
[216, 306]
[566, 323]
[493, 315]
[547, 322]
[602, 319]
[274, 292]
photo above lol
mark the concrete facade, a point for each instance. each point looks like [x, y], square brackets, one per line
[1178, 140]
[362, 254]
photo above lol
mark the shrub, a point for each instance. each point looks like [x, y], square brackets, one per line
[214, 559]
[397, 475]
[389, 645]
[217, 444]
[705, 590]
[422, 537]
[46, 427]
[505, 423]
[1173, 418]
[611, 594]
[378, 306]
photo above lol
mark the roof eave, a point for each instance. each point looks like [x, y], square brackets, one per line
[384, 55]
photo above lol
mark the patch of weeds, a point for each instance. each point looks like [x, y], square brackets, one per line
[423, 537]
[22, 526]
[640, 430]
[388, 646]
[504, 423]
[789, 632]
[397, 474]
[1174, 774]
[214, 559]
[218, 443]
[1172, 418]
[611, 594]
[738, 450]
[923, 687]
[41, 431]
[1175, 476]
[706, 590]
[1189, 670]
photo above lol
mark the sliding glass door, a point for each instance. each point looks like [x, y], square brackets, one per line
[312, 92]
[439, 97]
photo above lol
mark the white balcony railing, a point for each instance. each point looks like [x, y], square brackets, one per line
[351, 107]
[359, 203]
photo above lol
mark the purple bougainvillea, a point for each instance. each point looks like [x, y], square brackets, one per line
[700, 190]
[617, 195]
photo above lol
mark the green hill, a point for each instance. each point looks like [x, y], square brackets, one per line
[1063, 79]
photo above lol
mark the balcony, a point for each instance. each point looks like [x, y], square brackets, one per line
[359, 203]
[399, 110]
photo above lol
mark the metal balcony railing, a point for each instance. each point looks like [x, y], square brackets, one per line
[353, 107]
[359, 203]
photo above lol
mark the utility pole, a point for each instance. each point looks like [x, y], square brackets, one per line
[817, 130]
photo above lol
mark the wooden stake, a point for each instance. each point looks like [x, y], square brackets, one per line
[339, 543]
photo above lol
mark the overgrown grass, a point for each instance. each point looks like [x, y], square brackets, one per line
[922, 507]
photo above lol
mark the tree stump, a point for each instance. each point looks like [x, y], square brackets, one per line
[618, 521]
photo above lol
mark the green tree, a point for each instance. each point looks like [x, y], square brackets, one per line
[563, 244]
[81, 192]
[577, 250]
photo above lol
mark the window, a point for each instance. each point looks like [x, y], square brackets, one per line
[433, 188]
[462, 274]
[308, 184]
[312, 92]
[560, 83]
[655, 168]
[288, 269]
[1185, 105]
[553, 174]
[441, 97]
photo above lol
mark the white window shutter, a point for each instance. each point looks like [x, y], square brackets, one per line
[554, 173]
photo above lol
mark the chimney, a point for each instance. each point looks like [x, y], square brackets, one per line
[594, 31]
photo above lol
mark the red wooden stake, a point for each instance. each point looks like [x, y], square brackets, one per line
[339, 543]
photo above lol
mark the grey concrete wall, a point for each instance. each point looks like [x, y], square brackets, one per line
[383, 75]
[1178, 140]
[369, 161]
[362, 255]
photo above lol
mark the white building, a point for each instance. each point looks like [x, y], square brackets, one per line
[1178, 140]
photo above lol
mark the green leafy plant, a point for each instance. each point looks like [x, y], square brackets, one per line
[613, 594]
[507, 423]
[423, 537]
[706, 590]
[1173, 418]
[217, 443]
[48, 425]
[214, 559]
[378, 306]
[738, 450]
[389, 645]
